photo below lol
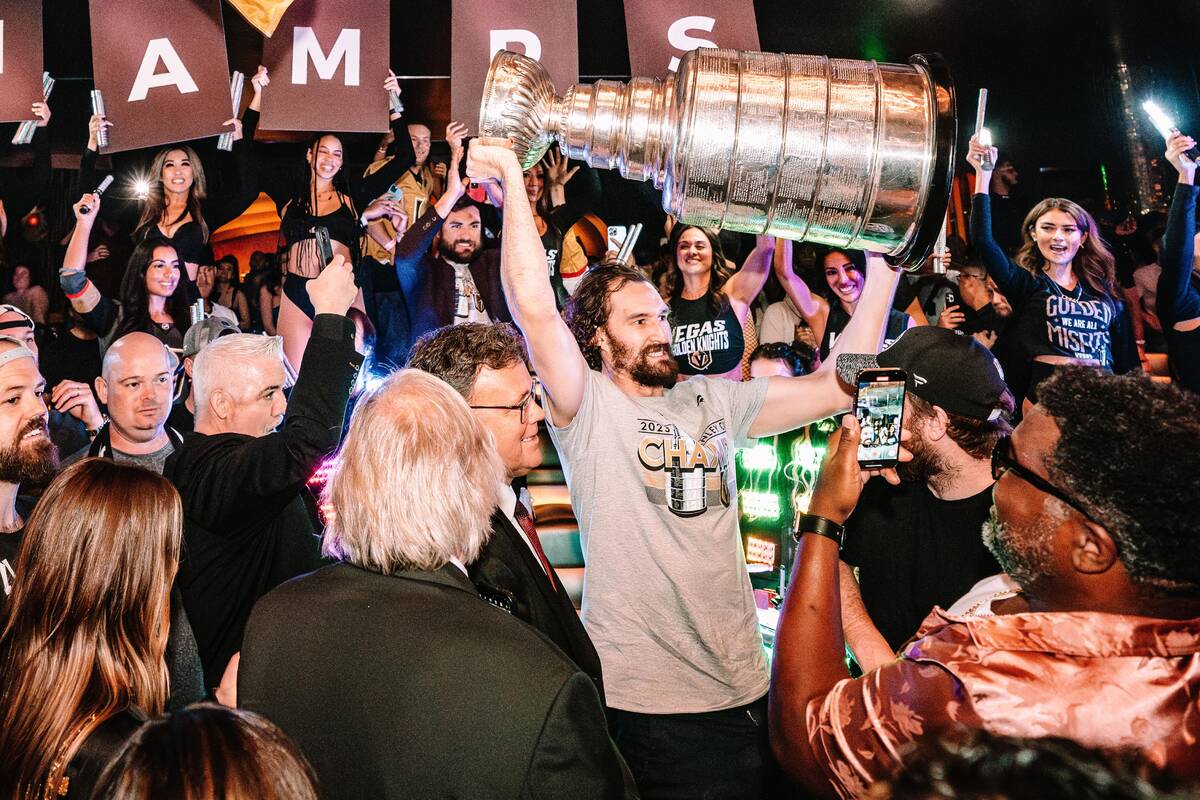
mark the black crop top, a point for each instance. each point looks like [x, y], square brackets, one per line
[343, 227]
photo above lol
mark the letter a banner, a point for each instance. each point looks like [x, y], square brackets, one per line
[661, 33]
[161, 68]
[327, 62]
[20, 58]
[544, 30]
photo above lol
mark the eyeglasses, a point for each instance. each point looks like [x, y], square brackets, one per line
[534, 396]
[1004, 460]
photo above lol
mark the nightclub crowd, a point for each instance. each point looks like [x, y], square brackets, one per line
[1010, 611]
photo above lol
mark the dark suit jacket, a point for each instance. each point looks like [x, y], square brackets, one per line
[412, 686]
[508, 565]
[428, 282]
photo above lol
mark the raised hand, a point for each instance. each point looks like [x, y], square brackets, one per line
[558, 169]
[975, 154]
[260, 80]
[94, 125]
[1177, 145]
[455, 133]
[334, 289]
[391, 83]
[89, 201]
[490, 159]
[237, 128]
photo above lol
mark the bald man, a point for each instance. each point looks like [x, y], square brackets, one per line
[137, 382]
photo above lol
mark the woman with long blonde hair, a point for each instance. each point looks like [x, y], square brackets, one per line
[85, 629]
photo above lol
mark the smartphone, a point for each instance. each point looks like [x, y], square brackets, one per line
[324, 246]
[879, 407]
[396, 193]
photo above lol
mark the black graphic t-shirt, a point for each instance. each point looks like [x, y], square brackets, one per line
[701, 344]
[1050, 320]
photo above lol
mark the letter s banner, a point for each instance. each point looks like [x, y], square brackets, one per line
[660, 33]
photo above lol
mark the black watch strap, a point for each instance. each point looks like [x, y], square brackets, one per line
[811, 523]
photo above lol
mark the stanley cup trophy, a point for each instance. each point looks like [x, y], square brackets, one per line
[845, 153]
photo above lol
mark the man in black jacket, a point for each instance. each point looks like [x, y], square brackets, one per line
[391, 673]
[488, 366]
[246, 526]
[462, 282]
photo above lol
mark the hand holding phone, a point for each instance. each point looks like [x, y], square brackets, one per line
[324, 245]
[879, 409]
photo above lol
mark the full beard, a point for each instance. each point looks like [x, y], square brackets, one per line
[1025, 556]
[450, 252]
[32, 463]
[664, 374]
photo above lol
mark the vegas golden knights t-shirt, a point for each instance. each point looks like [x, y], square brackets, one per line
[666, 599]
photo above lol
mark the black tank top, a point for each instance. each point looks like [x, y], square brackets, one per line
[838, 319]
[701, 344]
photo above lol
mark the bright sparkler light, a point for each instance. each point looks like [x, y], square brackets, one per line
[985, 137]
[1160, 118]
[141, 188]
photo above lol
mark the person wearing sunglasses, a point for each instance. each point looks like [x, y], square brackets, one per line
[1094, 519]
[488, 366]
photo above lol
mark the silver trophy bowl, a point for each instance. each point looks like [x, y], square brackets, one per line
[846, 153]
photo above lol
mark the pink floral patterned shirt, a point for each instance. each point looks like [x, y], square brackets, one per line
[1104, 680]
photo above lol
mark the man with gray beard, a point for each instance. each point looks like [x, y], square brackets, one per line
[1095, 520]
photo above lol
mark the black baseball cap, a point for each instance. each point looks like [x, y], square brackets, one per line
[948, 369]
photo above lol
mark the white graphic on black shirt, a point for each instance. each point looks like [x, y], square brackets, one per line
[697, 342]
[1080, 327]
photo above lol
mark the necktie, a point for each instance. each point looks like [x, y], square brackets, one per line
[526, 522]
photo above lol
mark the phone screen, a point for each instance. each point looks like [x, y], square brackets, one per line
[879, 407]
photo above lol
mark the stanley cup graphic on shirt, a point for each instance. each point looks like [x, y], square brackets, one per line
[686, 492]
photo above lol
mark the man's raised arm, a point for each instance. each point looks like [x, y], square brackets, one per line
[556, 357]
[792, 402]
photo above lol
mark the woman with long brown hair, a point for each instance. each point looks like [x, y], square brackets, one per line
[1061, 285]
[710, 301]
[85, 629]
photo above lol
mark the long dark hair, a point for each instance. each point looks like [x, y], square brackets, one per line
[85, 630]
[135, 300]
[1093, 265]
[156, 198]
[671, 283]
[303, 199]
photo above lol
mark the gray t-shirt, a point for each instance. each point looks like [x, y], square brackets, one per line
[151, 461]
[666, 596]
